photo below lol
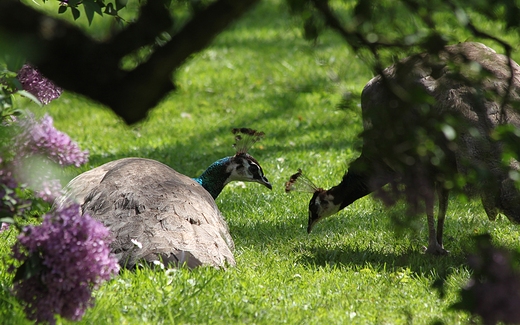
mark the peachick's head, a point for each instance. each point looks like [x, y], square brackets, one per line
[322, 203]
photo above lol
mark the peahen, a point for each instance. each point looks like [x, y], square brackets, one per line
[156, 214]
[410, 142]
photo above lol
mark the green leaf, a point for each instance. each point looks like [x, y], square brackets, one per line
[7, 220]
[91, 8]
[100, 3]
[120, 4]
[449, 132]
[110, 10]
[75, 13]
[62, 9]
[30, 96]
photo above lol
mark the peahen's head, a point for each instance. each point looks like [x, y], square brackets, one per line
[323, 204]
[243, 167]
[240, 167]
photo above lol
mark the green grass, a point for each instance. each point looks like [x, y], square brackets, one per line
[355, 268]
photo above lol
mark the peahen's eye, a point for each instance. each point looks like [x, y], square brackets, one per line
[253, 169]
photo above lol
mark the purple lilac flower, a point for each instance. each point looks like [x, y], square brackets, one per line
[50, 190]
[35, 83]
[64, 259]
[3, 226]
[42, 138]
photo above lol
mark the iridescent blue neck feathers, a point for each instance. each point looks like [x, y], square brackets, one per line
[215, 177]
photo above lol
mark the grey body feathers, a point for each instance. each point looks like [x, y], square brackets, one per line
[154, 214]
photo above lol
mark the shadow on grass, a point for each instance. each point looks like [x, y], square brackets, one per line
[323, 249]
[412, 258]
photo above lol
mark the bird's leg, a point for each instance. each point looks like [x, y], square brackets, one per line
[434, 247]
[443, 195]
[432, 240]
[489, 203]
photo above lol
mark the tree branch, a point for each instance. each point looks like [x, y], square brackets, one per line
[77, 63]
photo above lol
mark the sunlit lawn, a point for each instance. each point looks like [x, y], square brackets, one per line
[355, 268]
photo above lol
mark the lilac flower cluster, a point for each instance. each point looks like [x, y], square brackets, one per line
[64, 259]
[43, 139]
[493, 292]
[35, 83]
[36, 138]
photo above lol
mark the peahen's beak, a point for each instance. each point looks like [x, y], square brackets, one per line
[263, 180]
[313, 219]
